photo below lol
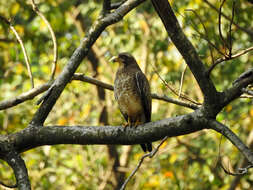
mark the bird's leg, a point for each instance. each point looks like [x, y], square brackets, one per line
[137, 122]
[128, 123]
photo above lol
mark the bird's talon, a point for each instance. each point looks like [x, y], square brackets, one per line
[126, 125]
[137, 123]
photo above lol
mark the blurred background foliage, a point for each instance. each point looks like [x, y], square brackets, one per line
[185, 162]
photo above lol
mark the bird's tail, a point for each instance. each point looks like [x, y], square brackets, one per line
[146, 147]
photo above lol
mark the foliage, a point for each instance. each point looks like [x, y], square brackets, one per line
[186, 162]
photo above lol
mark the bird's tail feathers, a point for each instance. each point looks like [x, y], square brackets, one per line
[146, 147]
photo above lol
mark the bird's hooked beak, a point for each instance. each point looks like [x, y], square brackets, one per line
[115, 59]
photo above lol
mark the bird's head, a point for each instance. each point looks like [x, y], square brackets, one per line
[124, 58]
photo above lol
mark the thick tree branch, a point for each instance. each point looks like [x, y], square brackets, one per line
[35, 136]
[62, 80]
[237, 89]
[242, 164]
[20, 170]
[224, 130]
[187, 50]
[32, 137]
[117, 4]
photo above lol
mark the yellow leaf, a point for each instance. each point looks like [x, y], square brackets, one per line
[228, 108]
[43, 25]
[173, 158]
[15, 9]
[144, 26]
[251, 112]
[86, 110]
[20, 29]
[20, 69]
[153, 182]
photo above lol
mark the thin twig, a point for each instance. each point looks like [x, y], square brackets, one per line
[220, 31]
[174, 101]
[230, 30]
[81, 77]
[174, 91]
[29, 95]
[36, 9]
[150, 155]
[210, 44]
[204, 36]
[9, 186]
[220, 60]
[248, 31]
[6, 40]
[22, 47]
[241, 171]
[182, 81]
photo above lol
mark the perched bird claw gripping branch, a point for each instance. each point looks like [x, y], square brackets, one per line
[132, 92]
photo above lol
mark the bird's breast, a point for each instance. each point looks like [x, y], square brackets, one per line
[125, 92]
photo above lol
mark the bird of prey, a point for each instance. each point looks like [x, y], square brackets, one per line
[132, 92]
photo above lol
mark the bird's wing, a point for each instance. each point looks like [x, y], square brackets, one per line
[144, 92]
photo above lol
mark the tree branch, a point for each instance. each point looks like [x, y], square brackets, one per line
[224, 130]
[29, 95]
[8, 186]
[226, 58]
[35, 136]
[225, 45]
[240, 172]
[176, 92]
[106, 7]
[237, 89]
[36, 9]
[62, 80]
[150, 155]
[184, 46]
[18, 165]
[82, 77]
[117, 4]
[248, 31]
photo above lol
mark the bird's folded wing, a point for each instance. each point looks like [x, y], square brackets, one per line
[144, 92]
